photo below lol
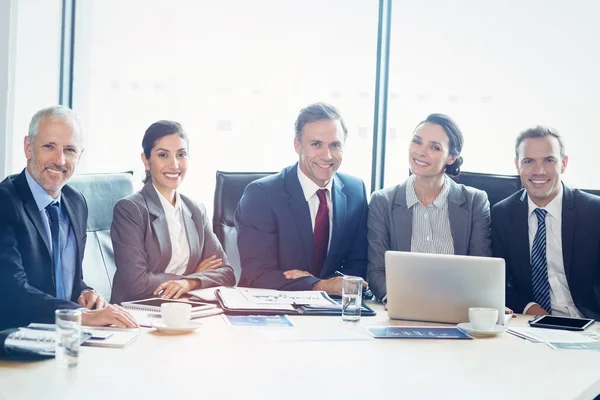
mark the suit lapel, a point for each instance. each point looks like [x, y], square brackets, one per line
[569, 215]
[159, 225]
[402, 217]
[31, 208]
[79, 235]
[339, 222]
[459, 218]
[301, 214]
[193, 236]
[519, 239]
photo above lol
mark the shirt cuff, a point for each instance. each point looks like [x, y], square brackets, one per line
[384, 299]
[528, 306]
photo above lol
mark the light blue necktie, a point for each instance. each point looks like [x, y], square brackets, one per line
[54, 214]
[539, 268]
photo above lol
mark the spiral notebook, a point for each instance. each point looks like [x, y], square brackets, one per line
[152, 305]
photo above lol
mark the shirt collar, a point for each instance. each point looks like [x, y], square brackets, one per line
[41, 197]
[412, 199]
[166, 205]
[309, 188]
[554, 208]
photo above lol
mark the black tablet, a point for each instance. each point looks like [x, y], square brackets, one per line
[552, 322]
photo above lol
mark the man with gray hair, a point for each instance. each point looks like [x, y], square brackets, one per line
[548, 234]
[303, 227]
[43, 231]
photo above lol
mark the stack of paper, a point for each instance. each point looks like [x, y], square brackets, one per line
[559, 339]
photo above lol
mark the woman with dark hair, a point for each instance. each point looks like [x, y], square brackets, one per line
[162, 239]
[429, 212]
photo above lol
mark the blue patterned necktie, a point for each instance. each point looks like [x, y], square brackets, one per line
[539, 269]
[54, 214]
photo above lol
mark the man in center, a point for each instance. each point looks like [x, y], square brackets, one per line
[302, 228]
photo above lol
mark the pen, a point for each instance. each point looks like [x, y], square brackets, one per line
[160, 293]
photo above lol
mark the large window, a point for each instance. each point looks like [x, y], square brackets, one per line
[497, 68]
[34, 69]
[235, 73]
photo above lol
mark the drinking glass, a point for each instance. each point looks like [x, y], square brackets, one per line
[68, 337]
[351, 298]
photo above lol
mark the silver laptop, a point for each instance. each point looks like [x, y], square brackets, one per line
[441, 288]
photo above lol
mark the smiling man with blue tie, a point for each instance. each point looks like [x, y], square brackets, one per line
[298, 227]
[43, 231]
[548, 234]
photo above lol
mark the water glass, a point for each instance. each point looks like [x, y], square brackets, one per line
[68, 337]
[351, 298]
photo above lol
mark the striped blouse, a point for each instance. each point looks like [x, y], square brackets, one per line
[430, 225]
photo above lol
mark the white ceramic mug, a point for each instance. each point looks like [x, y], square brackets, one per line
[176, 315]
[483, 319]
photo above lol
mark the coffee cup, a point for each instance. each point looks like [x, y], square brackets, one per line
[176, 315]
[483, 319]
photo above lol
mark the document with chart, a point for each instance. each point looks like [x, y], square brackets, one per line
[269, 301]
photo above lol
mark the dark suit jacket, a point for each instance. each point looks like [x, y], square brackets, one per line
[142, 245]
[580, 242]
[27, 285]
[390, 227]
[275, 231]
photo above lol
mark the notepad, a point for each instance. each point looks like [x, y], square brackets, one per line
[153, 304]
[148, 318]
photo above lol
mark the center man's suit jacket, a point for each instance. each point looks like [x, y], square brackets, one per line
[390, 227]
[275, 231]
[27, 281]
[580, 248]
[142, 245]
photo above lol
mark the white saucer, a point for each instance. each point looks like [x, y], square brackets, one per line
[467, 328]
[161, 327]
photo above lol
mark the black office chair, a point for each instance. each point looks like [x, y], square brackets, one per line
[228, 192]
[101, 192]
[497, 187]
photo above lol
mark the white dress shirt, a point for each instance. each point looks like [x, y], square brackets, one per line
[560, 296]
[180, 247]
[309, 188]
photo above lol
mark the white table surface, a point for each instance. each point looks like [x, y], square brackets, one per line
[219, 361]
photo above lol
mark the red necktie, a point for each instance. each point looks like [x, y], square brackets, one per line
[321, 233]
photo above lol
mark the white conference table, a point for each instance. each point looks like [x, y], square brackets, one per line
[219, 361]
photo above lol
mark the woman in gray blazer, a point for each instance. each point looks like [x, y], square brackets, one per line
[429, 212]
[162, 239]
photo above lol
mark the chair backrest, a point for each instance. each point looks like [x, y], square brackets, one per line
[497, 187]
[101, 192]
[228, 192]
